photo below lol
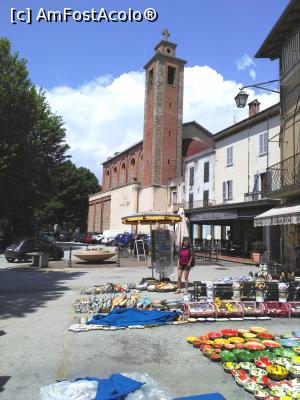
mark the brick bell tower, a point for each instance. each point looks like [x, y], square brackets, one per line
[163, 114]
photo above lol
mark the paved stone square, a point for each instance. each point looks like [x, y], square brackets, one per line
[37, 349]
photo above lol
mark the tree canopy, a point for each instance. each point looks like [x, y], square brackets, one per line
[33, 151]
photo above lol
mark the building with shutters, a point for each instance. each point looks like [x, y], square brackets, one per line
[225, 187]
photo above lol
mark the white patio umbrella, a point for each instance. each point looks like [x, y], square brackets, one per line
[182, 227]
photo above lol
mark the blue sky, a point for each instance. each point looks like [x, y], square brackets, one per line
[76, 60]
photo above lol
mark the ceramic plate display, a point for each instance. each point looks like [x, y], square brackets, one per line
[192, 320]
[250, 318]
[210, 319]
[263, 318]
[221, 319]
[201, 319]
[236, 319]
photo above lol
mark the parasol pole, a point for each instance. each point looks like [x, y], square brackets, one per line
[152, 271]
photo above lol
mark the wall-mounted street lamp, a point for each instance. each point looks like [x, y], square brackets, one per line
[242, 97]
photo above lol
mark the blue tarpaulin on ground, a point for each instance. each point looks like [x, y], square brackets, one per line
[116, 387]
[124, 317]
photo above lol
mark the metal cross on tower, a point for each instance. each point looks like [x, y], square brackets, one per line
[166, 34]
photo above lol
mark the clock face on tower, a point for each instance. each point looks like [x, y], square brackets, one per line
[162, 144]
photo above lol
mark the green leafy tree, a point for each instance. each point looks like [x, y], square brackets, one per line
[69, 205]
[32, 142]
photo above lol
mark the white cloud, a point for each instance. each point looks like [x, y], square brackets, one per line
[246, 63]
[252, 73]
[106, 115]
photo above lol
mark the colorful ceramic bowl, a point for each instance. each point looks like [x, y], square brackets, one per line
[190, 339]
[296, 349]
[231, 366]
[215, 357]
[271, 344]
[251, 387]
[254, 346]
[261, 394]
[294, 370]
[257, 329]
[296, 360]
[236, 339]
[277, 372]
[227, 333]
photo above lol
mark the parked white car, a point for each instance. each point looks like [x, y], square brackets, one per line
[109, 235]
[97, 237]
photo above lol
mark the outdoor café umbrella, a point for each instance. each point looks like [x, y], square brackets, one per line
[152, 218]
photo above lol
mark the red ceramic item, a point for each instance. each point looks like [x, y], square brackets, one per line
[229, 332]
[214, 335]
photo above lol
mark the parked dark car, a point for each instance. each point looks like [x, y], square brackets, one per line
[18, 249]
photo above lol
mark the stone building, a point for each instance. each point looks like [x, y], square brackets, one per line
[144, 177]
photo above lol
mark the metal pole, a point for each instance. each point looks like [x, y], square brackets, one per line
[70, 258]
[152, 271]
[118, 256]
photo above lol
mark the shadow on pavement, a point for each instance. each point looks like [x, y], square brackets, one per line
[22, 292]
[3, 381]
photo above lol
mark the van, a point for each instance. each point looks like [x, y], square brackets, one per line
[109, 236]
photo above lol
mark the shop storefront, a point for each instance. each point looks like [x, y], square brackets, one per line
[287, 220]
[230, 222]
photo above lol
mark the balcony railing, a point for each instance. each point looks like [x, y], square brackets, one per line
[284, 175]
[190, 205]
[254, 196]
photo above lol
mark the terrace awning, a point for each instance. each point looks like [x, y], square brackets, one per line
[279, 216]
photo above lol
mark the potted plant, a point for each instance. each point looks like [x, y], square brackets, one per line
[257, 249]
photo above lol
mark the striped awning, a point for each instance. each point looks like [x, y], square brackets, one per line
[279, 216]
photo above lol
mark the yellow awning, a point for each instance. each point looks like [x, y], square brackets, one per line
[151, 218]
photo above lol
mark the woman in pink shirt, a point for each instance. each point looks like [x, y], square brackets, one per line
[185, 262]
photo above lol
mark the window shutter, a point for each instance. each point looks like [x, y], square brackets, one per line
[265, 142]
[256, 181]
[224, 191]
[261, 144]
[206, 172]
[192, 176]
[229, 155]
[229, 190]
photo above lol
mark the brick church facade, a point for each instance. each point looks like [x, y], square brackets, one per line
[144, 177]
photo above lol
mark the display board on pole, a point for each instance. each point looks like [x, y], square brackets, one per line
[139, 249]
[162, 251]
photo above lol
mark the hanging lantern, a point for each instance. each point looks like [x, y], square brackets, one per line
[241, 99]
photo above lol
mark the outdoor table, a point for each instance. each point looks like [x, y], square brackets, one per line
[40, 260]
